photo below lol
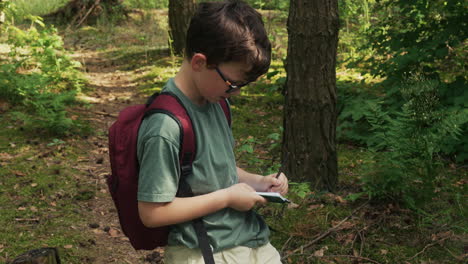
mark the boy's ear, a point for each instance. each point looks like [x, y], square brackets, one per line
[198, 62]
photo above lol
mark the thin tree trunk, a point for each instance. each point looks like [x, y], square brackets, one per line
[2, 13]
[180, 13]
[310, 112]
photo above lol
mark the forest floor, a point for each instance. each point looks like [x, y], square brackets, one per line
[112, 90]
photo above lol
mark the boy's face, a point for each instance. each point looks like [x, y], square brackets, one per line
[224, 81]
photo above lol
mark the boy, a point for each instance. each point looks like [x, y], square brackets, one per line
[227, 48]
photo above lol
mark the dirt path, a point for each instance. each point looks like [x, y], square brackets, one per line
[113, 90]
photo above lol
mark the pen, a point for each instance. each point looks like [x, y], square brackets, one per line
[281, 167]
[278, 174]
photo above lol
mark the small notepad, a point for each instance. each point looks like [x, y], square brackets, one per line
[273, 197]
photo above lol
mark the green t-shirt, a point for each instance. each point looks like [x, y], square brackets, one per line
[214, 168]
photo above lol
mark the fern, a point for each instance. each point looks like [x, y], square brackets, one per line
[406, 144]
[40, 76]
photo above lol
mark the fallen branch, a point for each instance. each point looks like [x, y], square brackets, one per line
[96, 3]
[428, 246]
[323, 235]
[287, 241]
[27, 220]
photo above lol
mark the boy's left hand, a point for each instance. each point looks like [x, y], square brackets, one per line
[273, 184]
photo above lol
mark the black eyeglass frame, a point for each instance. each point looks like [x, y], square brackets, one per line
[232, 87]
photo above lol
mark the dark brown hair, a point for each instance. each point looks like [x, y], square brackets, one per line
[229, 31]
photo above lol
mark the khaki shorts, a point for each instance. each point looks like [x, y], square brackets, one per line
[266, 254]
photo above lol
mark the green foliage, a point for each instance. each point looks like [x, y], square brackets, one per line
[47, 111]
[269, 4]
[24, 8]
[355, 20]
[146, 4]
[247, 145]
[262, 4]
[299, 189]
[404, 38]
[40, 76]
[425, 37]
[354, 105]
[406, 144]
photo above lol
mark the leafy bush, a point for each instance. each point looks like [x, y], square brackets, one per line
[425, 37]
[146, 4]
[405, 38]
[406, 144]
[354, 104]
[269, 4]
[39, 76]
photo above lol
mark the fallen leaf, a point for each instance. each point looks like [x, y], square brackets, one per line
[315, 206]
[5, 156]
[343, 226]
[68, 246]
[33, 184]
[320, 252]
[114, 232]
[292, 205]
[340, 199]
[19, 173]
[33, 209]
[383, 251]
[97, 231]
[346, 238]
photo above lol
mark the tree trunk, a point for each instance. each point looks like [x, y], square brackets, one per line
[310, 112]
[2, 9]
[85, 12]
[180, 13]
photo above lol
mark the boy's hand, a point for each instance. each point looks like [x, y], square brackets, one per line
[273, 184]
[242, 197]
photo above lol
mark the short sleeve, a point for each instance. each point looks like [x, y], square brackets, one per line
[158, 154]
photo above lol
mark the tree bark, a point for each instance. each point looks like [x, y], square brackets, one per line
[2, 13]
[310, 112]
[180, 13]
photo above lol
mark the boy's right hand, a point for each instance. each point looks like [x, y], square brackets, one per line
[242, 197]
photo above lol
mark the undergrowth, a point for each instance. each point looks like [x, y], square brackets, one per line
[38, 76]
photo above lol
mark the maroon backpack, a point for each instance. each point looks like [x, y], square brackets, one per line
[123, 183]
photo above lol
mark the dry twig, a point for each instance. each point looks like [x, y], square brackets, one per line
[428, 246]
[96, 3]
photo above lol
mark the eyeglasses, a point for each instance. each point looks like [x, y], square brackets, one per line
[232, 87]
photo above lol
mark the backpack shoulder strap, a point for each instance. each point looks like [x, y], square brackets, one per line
[168, 103]
[171, 105]
[225, 105]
